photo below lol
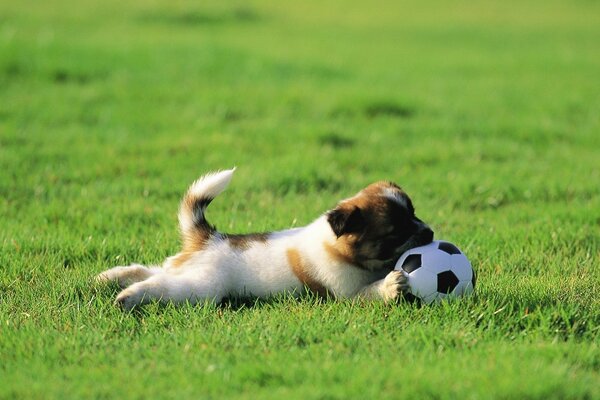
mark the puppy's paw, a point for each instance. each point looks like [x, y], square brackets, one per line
[104, 277]
[124, 276]
[128, 299]
[394, 285]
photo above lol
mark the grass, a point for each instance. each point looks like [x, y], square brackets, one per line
[486, 113]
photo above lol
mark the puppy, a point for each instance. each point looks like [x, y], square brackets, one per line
[349, 251]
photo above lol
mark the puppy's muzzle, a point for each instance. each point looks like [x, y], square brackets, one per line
[424, 236]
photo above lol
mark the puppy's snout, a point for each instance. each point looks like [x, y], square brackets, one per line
[425, 236]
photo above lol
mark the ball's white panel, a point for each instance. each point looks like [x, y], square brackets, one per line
[422, 283]
[436, 261]
[428, 247]
[461, 267]
[459, 289]
[431, 298]
[441, 296]
[416, 250]
[466, 288]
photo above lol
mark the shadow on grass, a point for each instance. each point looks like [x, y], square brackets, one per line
[314, 183]
[107, 291]
[17, 68]
[376, 109]
[337, 141]
[201, 18]
[63, 76]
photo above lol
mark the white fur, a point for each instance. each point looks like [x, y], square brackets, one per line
[219, 270]
[208, 186]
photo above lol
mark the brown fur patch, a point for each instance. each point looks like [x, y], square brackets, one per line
[243, 242]
[375, 211]
[136, 274]
[339, 252]
[300, 269]
[181, 258]
[192, 243]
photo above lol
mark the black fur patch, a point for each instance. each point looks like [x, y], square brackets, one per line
[388, 247]
[403, 221]
[345, 221]
[198, 212]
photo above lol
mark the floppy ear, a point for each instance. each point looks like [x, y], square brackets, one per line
[343, 220]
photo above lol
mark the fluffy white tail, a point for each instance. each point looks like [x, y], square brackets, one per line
[192, 222]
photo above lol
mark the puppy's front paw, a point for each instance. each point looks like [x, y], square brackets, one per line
[394, 284]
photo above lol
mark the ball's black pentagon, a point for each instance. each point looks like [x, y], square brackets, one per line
[412, 263]
[448, 248]
[446, 282]
[474, 279]
[410, 298]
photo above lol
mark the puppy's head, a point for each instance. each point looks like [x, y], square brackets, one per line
[376, 226]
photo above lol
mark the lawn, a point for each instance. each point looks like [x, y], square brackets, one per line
[487, 113]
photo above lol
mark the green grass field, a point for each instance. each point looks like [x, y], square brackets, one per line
[487, 113]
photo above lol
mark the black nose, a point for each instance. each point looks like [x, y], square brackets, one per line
[425, 236]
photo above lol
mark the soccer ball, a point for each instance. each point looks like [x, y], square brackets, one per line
[437, 271]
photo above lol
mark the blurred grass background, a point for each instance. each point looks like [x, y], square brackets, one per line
[485, 112]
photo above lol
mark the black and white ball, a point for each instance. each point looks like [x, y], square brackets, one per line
[436, 271]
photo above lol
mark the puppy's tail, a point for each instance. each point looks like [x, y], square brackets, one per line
[192, 222]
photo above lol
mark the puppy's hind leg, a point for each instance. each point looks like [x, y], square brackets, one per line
[166, 287]
[126, 276]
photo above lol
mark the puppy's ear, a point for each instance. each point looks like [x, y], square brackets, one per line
[345, 220]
